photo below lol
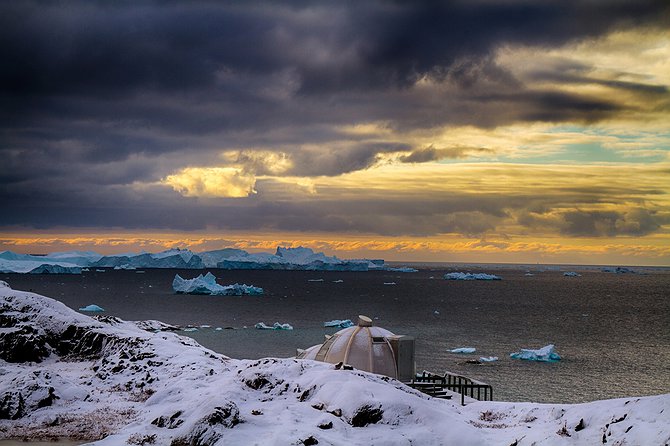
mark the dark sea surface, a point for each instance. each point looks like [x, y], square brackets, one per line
[612, 330]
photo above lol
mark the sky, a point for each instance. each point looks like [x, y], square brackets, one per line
[511, 131]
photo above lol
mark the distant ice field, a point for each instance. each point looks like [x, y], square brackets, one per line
[610, 329]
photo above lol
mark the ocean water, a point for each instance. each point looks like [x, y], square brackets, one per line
[612, 330]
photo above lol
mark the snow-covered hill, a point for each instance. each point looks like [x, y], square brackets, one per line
[63, 374]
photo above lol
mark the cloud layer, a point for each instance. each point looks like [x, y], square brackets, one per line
[337, 117]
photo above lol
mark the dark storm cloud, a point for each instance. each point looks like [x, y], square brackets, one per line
[99, 95]
[431, 153]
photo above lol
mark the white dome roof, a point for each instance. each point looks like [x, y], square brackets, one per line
[363, 346]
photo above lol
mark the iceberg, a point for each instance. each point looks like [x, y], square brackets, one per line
[488, 358]
[571, 274]
[92, 308]
[345, 323]
[125, 266]
[55, 269]
[299, 258]
[544, 354]
[171, 258]
[464, 350]
[471, 276]
[275, 326]
[207, 285]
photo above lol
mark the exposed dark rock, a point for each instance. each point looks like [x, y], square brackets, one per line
[366, 415]
[328, 425]
[228, 415]
[24, 344]
[310, 441]
[580, 425]
[12, 406]
[258, 382]
[48, 401]
[208, 431]
[171, 422]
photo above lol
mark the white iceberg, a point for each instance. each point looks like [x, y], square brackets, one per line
[275, 326]
[571, 274]
[488, 358]
[92, 308]
[284, 258]
[125, 266]
[171, 258]
[344, 323]
[544, 354]
[55, 269]
[471, 276]
[207, 285]
[300, 258]
[464, 350]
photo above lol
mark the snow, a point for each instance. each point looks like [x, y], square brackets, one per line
[92, 308]
[341, 323]
[275, 326]
[118, 384]
[544, 354]
[463, 350]
[471, 276]
[207, 285]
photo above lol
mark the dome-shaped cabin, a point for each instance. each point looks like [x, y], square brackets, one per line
[369, 348]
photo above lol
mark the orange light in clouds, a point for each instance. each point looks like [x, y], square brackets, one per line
[449, 248]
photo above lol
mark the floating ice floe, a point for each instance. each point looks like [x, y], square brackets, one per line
[544, 354]
[464, 350]
[338, 281]
[403, 269]
[92, 308]
[488, 358]
[275, 326]
[618, 270]
[207, 285]
[471, 276]
[389, 283]
[344, 323]
[571, 274]
[100, 270]
[315, 280]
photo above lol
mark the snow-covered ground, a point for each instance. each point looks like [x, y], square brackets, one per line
[64, 374]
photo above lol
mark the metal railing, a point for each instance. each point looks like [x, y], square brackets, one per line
[435, 385]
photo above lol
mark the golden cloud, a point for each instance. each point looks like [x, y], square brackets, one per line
[218, 182]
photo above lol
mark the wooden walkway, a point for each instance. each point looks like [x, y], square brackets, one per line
[441, 386]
